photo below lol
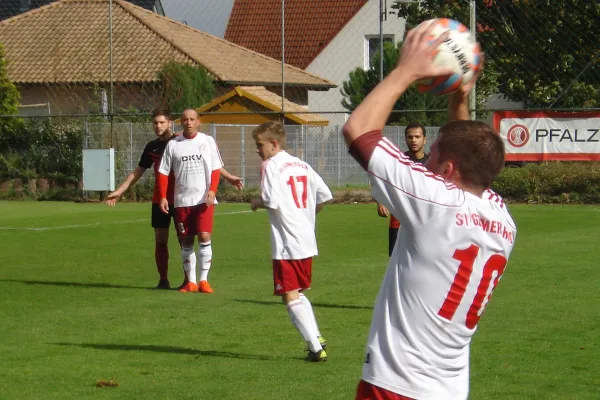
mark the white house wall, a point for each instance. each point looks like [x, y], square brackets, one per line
[347, 52]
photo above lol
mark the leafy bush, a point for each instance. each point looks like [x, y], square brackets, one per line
[9, 97]
[227, 193]
[60, 194]
[142, 190]
[185, 86]
[555, 182]
[42, 148]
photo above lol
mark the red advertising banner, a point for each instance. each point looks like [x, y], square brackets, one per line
[549, 135]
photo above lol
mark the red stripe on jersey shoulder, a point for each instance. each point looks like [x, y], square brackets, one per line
[363, 146]
[391, 146]
[417, 197]
[392, 150]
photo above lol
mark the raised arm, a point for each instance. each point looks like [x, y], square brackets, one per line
[406, 189]
[458, 106]
[415, 63]
[458, 103]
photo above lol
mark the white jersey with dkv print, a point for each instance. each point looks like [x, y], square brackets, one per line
[451, 251]
[291, 190]
[192, 162]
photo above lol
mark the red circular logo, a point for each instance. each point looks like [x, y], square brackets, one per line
[517, 136]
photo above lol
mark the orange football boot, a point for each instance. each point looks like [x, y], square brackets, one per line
[204, 287]
[189, 287]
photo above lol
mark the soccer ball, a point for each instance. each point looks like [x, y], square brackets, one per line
[460, 52]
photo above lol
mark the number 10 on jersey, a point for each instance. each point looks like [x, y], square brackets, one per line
[302, 179]
[491, 273]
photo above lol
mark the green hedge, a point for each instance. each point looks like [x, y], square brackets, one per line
[42, 148]
[552, 182]
[557, 182]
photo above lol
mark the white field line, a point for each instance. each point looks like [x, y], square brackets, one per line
[48, 228]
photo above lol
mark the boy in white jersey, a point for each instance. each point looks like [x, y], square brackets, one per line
[195, 161]
[454, 241]
[292, 192]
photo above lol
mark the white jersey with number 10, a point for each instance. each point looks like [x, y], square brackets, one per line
[291, 190]
[451, 252]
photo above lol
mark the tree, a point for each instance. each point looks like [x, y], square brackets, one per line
[185, 86]
[544, 54]
[409, 108]
[11, 136]
[9, 95]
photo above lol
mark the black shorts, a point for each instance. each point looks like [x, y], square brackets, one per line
[160, 219]
[392, 236]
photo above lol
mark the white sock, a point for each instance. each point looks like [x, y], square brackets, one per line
[309, 310]
[189, 263]
[192, 259]
[205, 259]
[302, 322]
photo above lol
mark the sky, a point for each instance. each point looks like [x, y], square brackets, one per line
[209, 16]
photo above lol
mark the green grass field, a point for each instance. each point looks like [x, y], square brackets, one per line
[77, 308]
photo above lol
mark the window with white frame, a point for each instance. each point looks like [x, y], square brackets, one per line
[372, 47]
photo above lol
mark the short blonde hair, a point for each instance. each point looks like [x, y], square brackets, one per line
[271, 131]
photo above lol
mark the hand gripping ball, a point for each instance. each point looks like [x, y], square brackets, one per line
[460, 52]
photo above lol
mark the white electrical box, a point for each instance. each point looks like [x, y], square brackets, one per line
[99, 169]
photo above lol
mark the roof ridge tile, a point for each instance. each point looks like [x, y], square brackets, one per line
[140, 9]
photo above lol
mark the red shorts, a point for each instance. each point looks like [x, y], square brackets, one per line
[394, 223]
[290, 275]
[190, 221]
[367, 391]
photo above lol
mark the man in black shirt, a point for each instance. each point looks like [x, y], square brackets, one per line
[416, 138]
[151, 156]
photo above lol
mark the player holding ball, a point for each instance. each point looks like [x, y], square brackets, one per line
[455, 237]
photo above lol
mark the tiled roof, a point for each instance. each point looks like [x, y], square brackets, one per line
[309, 26]
[68, 41]
[271, 101]
[14, 7]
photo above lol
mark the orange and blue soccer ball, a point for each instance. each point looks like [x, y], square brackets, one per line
[460, 52]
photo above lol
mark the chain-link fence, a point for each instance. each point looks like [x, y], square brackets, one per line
[243, 62]
[322, 147]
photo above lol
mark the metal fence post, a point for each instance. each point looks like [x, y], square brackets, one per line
[85, 147]
[339, 154]
[130, 147]
[243, 142]
[302, 141]
[296, 145]
[86, 135]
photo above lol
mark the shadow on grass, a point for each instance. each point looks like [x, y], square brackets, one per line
[170, 349]
[76, 284]
[318, 305]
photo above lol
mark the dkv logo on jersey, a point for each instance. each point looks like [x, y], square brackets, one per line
[518, 136]
[191, 157]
